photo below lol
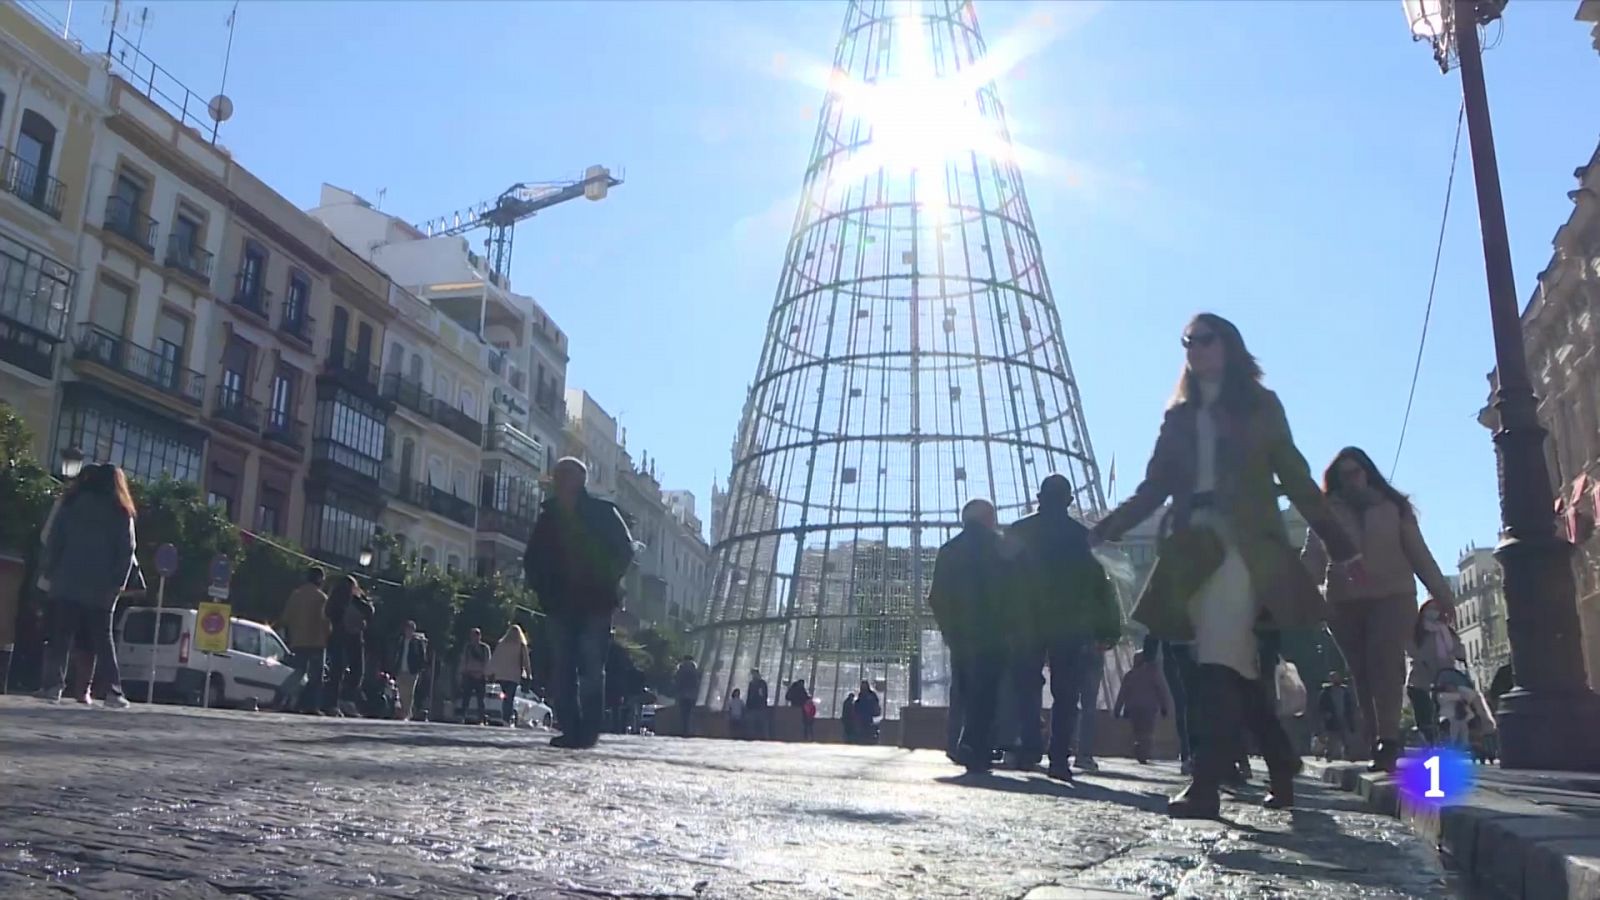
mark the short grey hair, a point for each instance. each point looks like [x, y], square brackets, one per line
[973, 509]
[572, 462]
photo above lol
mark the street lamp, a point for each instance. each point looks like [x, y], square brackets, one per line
[71, 463]
[1550, 720]
[365, 559]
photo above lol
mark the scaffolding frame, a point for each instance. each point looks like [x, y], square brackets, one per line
[914, 359]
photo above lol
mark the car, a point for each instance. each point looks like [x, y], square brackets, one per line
[247, 674]
[532, 712]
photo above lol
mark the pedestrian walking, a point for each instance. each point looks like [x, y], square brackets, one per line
[472, 675]
[1336, 712]
[1142, 697]
[1178, 667]
[736, 715]
[408, 660]
[349, 612]
[848, 724]
[308, 629]
[578, 552]
[1372, 620]
[972, 603]
[508, 666]
[1435, 648]
[1224, 562]
[798, 699]
[1070, 618]
[757, 716]
[88, 558]
[686, 688]
[868, 709]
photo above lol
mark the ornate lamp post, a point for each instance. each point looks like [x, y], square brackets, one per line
[71, 463]
[1550, 720]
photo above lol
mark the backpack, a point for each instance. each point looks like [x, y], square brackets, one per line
[1291, 690]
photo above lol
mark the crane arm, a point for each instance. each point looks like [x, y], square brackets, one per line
[520, 201]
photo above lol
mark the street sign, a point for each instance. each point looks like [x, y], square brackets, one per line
[221, 574]
[213, 636]
[166, 560]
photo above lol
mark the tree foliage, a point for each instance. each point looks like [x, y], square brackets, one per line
[657, 655]
[26, 488]
[173, 512]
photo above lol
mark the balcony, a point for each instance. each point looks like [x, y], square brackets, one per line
[428, 497]
[26, 348]
[408, 393]
[237, 409]
[23, 180]
[124, 220]
[297, 325]
[282, 429]
[96, 345]
[494, 521]
[458, 421]
[329, 456]
[183, 255]
[353, 370]
[249, 295]
[507, 439]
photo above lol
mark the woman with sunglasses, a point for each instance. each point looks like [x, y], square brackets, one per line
[1372, 621]
[1225, 564]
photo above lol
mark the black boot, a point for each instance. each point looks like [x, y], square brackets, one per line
[1216, 753]
[1385, 757]
[5, 670]
[1283, 764]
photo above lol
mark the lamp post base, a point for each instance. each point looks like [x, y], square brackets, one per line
[1557, 731]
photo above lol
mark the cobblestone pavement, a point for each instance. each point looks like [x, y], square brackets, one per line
[175, 802]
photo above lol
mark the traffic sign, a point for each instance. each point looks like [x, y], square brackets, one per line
[221, 574]
[166, 560]
[214, 623]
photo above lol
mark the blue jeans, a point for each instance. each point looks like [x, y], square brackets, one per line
[578, 671]
[1089, 678]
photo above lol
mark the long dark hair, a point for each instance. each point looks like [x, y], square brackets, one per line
[1333, 485]
[1241, 373]
[107, 481]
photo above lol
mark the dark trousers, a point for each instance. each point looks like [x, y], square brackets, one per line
[72, 619]
[1144, 726]
[1177, 664]
[1232, 706]
[346, 664]
[957, 709]
[1426, 713]
[508, 703]
[1069, 661]
[308, 663]
[981, 674]
[685, 712]
[473, 687]
[578, 644]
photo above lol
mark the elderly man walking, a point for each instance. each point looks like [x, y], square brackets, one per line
[969, 599]
[578, 552]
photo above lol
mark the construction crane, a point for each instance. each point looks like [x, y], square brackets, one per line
[520, 201]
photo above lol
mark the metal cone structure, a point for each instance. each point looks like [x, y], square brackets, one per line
[914, 360]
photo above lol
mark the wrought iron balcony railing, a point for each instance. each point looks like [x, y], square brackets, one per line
[125, 220]
[235, 407]
[23, 180]
[250, 295]
[285, 430]
[186, 257]
[142, 364]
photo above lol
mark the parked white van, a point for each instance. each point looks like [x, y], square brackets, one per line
[252, 669]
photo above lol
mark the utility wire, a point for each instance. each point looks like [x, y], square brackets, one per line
[1433, 283]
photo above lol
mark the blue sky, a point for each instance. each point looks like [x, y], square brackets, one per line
[1280, 163]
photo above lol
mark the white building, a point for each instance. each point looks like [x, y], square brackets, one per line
[1481, 614]
[592, 436]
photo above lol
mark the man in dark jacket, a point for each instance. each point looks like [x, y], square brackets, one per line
[686, 687]
[756, 714]
[968, 599]
[578, 552]
[1336, 706]
[408, 659]
[1073, 618]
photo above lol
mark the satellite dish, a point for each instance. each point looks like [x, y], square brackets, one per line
[220, 108]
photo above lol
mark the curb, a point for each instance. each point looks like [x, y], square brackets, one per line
[1516, 849]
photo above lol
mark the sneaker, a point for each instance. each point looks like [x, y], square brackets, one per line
[1060, 773]
[565, 742]
[1088, 764]
[49, 696]
[86, 700]
[117, 701]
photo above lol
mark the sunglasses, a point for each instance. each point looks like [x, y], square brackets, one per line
[1200, 339]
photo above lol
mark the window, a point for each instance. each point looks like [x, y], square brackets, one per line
[35, 147]
[138, 444]
[172, 339]
[185, 236]
[296, 300]
[341, 333]
[397, 360]
[280, 410]
[220, 502]
[235, 368]
[351, 422]
[246, 639]
[269, 518]
[111, 304]
[364, 343]
[428, 555]
[34, 289]
[272, 647]
[415, 371]
[252, 269]
[453, 563]
[139, 627]
[339, 526]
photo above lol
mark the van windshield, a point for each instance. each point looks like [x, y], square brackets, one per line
[139, 626]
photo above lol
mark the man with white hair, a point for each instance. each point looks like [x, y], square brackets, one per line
[579, 550]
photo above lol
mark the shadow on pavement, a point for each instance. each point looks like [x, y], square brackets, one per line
[1078, 790]
[412, 739]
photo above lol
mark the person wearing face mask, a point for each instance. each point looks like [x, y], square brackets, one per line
[1371, 621]
[1225, 565]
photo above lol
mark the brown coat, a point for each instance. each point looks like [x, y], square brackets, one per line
[1393, 554]
[1256, 462]
[302, 618]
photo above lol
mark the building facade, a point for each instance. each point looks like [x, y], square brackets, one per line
[1481, 614]
[50, 113]
[1560, 326]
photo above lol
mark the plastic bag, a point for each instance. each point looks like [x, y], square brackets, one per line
[1117, 565]
[1291, 690]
